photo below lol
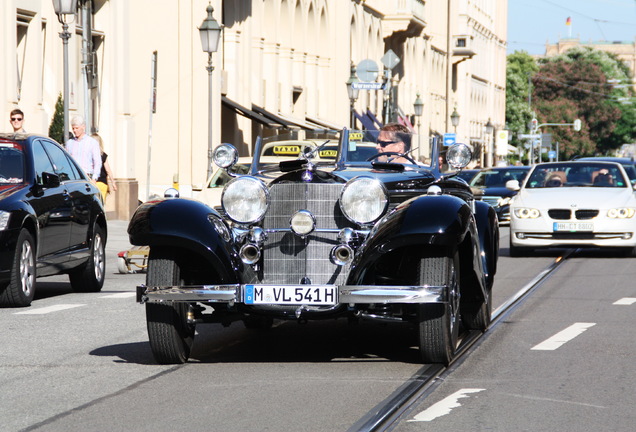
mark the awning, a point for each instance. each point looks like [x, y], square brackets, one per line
[240, 109]
[366, 121]
[374, 118]
[298, 122]
[274, 117]
[323, 123]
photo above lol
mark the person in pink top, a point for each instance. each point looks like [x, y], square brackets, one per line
[84, 149]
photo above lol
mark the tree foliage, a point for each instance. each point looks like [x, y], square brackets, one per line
[579, 84]
[520, 67]
[56, 128]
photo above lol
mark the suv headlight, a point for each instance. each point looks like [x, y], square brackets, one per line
[621, 213]
[364, 200]
[527, 213]
[245, 199]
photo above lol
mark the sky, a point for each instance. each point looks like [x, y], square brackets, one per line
[532, 23]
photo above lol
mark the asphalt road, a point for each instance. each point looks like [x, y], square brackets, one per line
[81, 362]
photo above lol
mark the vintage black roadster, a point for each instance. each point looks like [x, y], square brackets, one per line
[324, 225]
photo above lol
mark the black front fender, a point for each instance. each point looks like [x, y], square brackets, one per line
[185, 224]
[439, 221]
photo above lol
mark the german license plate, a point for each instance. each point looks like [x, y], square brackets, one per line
[573, 226]
[291, 294]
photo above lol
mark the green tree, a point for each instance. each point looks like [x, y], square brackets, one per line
[56, 128]
[581, 84]
[521, 66]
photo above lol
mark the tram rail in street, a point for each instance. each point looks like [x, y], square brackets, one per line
[415, 390]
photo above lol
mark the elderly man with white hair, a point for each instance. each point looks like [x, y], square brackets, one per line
[84, 149]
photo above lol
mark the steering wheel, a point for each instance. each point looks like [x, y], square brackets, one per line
[404, 155]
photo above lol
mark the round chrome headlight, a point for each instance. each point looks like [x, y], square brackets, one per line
[225, 155]
[459, 155]
[245, 199]
[364, 200]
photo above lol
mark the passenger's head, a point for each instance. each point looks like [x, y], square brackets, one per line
[17, 120]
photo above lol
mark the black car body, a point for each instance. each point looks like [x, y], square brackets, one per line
[333, 234]
[52, 219]
[489, 185]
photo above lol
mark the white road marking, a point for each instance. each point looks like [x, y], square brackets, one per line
[563, 336]
[120, 295]
[625, 301]
[444, 406]
[49, 309]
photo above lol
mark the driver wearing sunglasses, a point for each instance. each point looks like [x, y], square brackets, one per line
[17, 121]
[393, 138]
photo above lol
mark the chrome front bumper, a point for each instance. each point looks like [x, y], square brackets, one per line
[347, 294]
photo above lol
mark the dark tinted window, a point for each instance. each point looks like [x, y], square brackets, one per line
[11, 163]
[63, 166]
[41, 162]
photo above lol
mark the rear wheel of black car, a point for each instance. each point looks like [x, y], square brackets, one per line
[90, 276]
[438, 324]
[21, 288]
[170, 335]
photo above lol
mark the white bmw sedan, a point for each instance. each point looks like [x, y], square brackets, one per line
[573, 204]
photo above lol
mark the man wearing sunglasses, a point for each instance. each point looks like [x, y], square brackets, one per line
[17, 121]
[394, 138]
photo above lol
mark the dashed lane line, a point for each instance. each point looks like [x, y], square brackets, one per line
[49, 309]
[627, 301]
[563, 337]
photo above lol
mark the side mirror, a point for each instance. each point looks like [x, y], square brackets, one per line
[513, 185]
[50, 180]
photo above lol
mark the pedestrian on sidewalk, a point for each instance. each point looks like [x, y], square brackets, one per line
[106, 180]
[84, 149]
[17, 121]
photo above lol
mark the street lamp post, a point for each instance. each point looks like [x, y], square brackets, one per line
[455, 119]
[210, 32]
[418, 107]
[489, 128]
[63, 8]
[352, 91]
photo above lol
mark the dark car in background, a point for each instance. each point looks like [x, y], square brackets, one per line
[52, 219]
[468, 174]
[335, 229]
[489, 185]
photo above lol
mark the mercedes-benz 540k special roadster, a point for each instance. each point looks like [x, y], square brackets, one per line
[338, 224]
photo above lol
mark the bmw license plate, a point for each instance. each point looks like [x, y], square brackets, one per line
[291, 295]
[573, 226]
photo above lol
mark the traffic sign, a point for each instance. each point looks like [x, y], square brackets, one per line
[367, 70]
[390, 59]
[529, 136]
[449, 139]
[368, 85]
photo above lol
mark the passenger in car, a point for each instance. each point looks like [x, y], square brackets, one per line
[554, 181]
[603, 178]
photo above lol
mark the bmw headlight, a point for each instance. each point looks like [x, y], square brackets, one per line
[621, 213]
[364, 200]
[527, 213]
[4, 219]
[245, 199]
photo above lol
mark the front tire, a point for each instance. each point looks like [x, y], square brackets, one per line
[438, 324]
[170, 335]
[21, 288]
[90, 277]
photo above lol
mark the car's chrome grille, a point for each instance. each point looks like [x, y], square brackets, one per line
[565, 214]
[586, 214]
[287, 258]
[559, 214]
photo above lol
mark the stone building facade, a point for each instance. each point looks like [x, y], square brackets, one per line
[281, 64]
